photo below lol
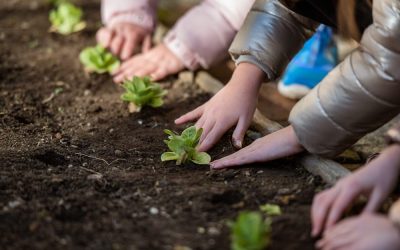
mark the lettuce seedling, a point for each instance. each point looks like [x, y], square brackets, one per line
[183, 147]
[141, 91]
[271, 209]
[250, 232]
[66, 19]
[97, 59]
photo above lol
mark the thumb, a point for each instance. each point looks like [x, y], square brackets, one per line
[239, 133]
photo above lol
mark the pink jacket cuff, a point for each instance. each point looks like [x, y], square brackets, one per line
[139, 12]
[203, 35]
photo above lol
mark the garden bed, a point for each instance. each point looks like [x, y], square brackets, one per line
[77, 171]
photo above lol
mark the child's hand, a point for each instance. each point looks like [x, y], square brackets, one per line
[274, 146]
[157, 63]
[233, 105]
[366, 232]
[376, 180]
[124, 38]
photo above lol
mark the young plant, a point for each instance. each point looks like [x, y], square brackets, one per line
[66, 19]
[250, 232]
[271, 209]
[183, 147]
[143, 92]
[97, 59]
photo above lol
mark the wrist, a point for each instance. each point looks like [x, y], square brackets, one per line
[249, 75]
[392, 152]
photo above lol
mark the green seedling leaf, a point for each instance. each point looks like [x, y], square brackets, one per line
[271, 209]
[143, 92]
[66, 19]
[97, 59]
[169, 156]
[183, 147]
[201, 158]
[250, 232]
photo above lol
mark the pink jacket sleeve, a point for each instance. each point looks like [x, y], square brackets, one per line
[140, 12]
[203, 35]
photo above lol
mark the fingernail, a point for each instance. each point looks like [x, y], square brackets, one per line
[237, 143]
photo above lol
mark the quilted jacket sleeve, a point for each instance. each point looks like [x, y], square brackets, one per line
[359, 95]
[270, 36]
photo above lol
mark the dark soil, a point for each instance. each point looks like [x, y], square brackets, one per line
[77, 171]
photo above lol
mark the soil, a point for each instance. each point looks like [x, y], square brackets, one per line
[77, 171]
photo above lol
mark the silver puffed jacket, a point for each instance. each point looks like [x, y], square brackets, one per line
[361, 94]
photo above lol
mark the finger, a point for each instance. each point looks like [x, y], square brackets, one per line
[159, 74]
[104, 37]
[238, 158]
[134, 70]
[239, 132]
[339, 236]
[132, 64]
[207, 128]
[342, 202]
[129, 46]
[129, 74]
[340, 243]
[123, 72]
[339, 230]
[146, 70]
[320, 208]
[212, 137]
[146, 45]
[200, 124]
[375, 200]
[116, 45]
[192, 115]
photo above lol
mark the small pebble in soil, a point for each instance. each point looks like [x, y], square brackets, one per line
[201, 230]
[140, 122]
[119, 153]
[15, 203]
[179, 247]
[213, 231]
[64, 141]
[153, 210]
[87, 92]
[284, 191]
[95, 177]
